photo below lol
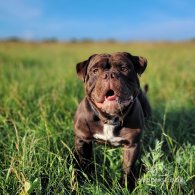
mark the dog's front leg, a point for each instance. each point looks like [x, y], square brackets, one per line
[130, 155]
[83, 152]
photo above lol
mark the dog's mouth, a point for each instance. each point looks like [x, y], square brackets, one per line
[112, 103]
[110, 96]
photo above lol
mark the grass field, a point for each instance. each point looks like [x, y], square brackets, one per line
[39, 93]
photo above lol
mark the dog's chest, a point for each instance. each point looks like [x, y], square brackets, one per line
[108, 135]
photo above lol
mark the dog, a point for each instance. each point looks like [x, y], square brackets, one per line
[114, 108]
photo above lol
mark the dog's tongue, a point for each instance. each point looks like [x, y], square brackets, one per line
[110, 98]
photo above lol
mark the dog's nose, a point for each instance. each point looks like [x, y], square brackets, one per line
[105, 75]
[113, 75]
[110, 75]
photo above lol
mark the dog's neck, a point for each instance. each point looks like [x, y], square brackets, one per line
[109, 119]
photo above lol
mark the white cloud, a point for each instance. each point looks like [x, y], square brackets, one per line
[15, 9]
[169, 29]
[28, 35]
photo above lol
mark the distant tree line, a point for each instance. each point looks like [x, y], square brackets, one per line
[54, 40]
[72, 40]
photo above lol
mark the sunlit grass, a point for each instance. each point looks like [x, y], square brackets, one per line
[39, 93]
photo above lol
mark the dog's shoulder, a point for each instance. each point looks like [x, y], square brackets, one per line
[84, 116]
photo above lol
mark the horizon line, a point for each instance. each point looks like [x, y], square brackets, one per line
[75, 40]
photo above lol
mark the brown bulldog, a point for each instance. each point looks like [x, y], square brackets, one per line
[114, 108]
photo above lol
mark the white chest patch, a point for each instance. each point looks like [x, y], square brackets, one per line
[108, 135]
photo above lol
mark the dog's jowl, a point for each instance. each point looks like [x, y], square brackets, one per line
[114, 107]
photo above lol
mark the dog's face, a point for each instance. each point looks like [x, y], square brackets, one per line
[111, 80]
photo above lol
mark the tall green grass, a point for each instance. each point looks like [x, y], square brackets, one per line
[39, 93]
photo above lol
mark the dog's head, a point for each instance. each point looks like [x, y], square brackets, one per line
[111, 80]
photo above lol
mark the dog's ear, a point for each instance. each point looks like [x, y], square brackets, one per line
[81, 68]
[140, 63]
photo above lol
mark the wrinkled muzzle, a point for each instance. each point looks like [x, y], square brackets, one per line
[112, 96]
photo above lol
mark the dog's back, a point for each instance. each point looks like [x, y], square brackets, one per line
[144, 102]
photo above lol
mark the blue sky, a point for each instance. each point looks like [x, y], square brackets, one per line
[98, 19]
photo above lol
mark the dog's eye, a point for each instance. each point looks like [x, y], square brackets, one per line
[124, 68]
[95, 71]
